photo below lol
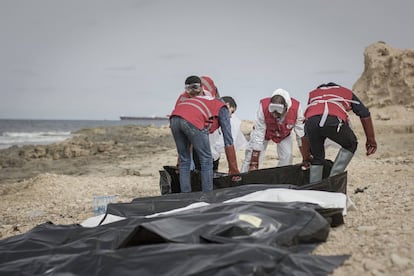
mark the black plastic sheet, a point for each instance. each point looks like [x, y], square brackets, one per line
[256, 238]
[157, 204]
[293, 175]
[179, 260]
[238, 238]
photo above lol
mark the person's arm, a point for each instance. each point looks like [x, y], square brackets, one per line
[365, 116]
[359, 108]
[257, 137]
[299, 126]
[302, 141]
[259, 130]
[224, 121]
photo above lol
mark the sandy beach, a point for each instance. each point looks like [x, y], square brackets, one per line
[57, 183]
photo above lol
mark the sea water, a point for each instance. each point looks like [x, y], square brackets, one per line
[43, 132]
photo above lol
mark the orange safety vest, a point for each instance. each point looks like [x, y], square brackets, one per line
[201, 111]
[332, 100]
[277, 131]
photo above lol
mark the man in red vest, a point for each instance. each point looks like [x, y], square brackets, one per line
[191, 122]
[326, 116]
[208, 88]
[216, 138]
[276, 117]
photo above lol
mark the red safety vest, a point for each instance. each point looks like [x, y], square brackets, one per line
[333, 100]
[183, 96]
[202, 112]
[277, 131]
[209, 86]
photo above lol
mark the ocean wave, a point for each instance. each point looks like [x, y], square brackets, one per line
[8, 139]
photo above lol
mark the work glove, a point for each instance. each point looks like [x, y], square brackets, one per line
[232, 162]
[254, 161]
[371, 144]
[306, 153]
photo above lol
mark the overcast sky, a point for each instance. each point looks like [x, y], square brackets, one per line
[100, 59]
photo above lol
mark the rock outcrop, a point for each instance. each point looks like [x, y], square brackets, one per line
[91, 149]
[388, 77]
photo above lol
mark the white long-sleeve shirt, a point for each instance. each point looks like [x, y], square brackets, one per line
[217, 142]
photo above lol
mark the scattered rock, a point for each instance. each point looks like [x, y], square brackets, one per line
[400, 261]
[373, 265]
[365, 228]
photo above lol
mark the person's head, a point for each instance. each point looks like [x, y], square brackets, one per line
[193, 86]
[231, 103]
[280, 102]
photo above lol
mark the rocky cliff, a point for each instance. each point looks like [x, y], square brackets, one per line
[388, 77]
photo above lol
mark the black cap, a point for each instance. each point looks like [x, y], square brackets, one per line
[230, 101]
[329, 84]
[193, 79]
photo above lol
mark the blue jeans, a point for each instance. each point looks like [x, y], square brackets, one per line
[186, 134]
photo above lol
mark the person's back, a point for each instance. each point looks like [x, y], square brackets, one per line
[327, 118]
[329, 99]
[191, 121]
[200, 111]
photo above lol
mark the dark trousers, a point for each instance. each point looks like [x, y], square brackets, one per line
[334, 129]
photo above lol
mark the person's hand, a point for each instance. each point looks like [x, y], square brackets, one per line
[371, 144]
[236, 178]
[305, 165]
[371, 147]
[234, 174]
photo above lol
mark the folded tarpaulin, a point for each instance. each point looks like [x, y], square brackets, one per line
[234, 238]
